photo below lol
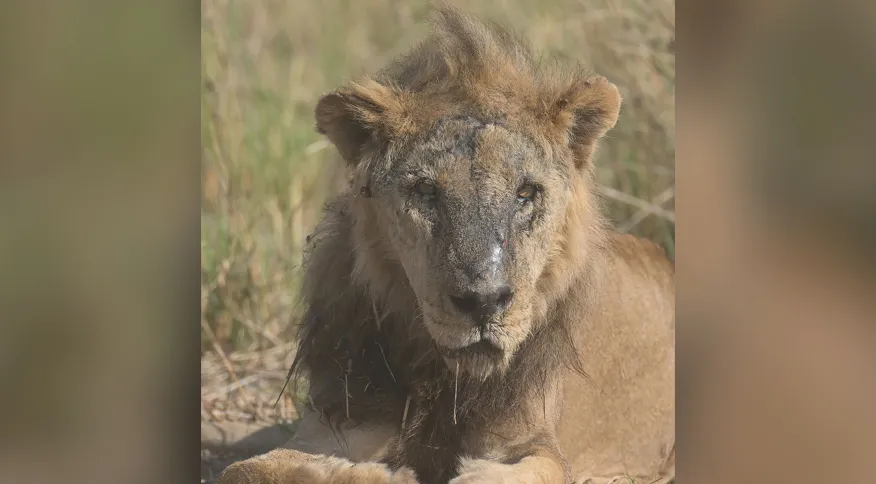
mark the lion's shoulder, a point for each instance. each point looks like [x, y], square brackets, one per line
[640, 254]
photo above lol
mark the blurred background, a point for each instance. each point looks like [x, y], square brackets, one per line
[266, 173]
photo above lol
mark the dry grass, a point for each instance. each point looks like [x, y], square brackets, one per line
[266, 172]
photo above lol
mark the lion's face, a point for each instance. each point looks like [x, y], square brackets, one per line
[469, 211]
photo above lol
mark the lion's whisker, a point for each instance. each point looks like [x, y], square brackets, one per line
[386, 362]
[455, 390]
[347, 388]
[377, 318]
[405, 413]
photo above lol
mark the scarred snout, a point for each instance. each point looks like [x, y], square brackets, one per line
[481, 290]
[482, 331]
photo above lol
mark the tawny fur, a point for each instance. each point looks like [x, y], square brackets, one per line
[581, 384]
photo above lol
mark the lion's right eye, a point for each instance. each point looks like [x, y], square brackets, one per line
[526, 193]
[426, 189]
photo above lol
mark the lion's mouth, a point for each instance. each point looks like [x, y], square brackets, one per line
[483, 347]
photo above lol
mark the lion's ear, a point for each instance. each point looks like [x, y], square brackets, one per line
[357, 114]
[585, 112]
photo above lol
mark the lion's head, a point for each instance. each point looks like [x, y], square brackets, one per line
[468, 161]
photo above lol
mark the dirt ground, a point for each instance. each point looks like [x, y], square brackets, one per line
[238, 417]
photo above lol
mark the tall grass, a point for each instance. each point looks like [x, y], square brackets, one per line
[266, 172]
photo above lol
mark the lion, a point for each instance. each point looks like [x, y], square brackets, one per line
[469, 315]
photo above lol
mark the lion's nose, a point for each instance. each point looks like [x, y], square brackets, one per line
[482, 305]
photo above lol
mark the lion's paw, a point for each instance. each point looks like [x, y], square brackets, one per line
[481, 471]
[283, 466]
[620, 480]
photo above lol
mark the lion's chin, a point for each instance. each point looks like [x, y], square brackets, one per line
[477, 367]
[478, 360]
[477, 352]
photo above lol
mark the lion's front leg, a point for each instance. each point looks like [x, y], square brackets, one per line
[533, 469]
[286, 466]
[319, 455]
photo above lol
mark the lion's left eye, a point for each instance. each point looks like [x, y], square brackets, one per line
[426, 189]
[526, 193]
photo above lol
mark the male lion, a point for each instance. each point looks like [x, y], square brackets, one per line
[469, 317]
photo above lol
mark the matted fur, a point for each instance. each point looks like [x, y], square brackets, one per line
[365, 351]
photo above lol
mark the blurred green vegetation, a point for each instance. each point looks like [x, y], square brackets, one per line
[266, 173]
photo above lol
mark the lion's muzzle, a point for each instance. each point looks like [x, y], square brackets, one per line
[484, 305]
